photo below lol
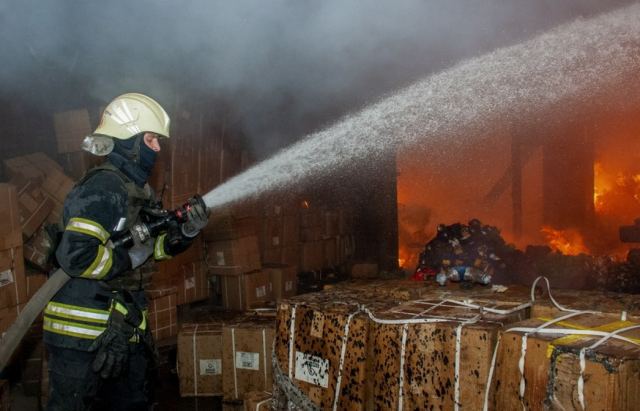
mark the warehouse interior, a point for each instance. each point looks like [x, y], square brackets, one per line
[423, 205]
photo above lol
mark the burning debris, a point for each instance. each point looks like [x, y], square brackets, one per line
[477, 253]
[463, 253]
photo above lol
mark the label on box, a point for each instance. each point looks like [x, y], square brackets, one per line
[317, 325]
[275, 240]
[220, 258]
[190, 283]
[312, 369]
[288, 285]
[248, 360]
[6, 278]
[261, 291]
[211, 366]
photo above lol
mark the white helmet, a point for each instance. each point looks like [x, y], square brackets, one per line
[126, 116]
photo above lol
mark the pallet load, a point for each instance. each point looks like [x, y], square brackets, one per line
[320, 351]
[570, 355]
[246, 357]
[455, 337]
[200, 359]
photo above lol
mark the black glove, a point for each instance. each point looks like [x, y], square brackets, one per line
[113, 346]
[198, 218]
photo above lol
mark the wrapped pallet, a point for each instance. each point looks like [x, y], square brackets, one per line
[320, 348]
[575, 361]
[200, 359]
[435, 353]
[246, 356]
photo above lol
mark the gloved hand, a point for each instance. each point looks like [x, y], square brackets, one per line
[198, 218]
[112, 346]
[140, 252]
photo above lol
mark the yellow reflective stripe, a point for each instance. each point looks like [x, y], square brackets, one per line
[101, 264]
[120, 308]
[158, 250]
[85, 226]
[143, 323]
[76, 313]
[72, 329]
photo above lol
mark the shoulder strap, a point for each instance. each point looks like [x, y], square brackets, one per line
[104, 167]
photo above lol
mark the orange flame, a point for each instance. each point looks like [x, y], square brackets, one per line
[568, 242]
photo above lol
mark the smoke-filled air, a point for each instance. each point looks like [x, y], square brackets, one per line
[575, 61]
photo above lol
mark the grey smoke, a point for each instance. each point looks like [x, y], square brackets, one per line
[284, 66]
[579, 63]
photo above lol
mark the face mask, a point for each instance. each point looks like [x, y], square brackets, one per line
[147, 158]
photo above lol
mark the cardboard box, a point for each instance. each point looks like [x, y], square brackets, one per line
[192, 283]
[271, 255]
[551, 367]
[71, 127]
[233, 256]
[258, 401]
[163, 314]
[226, 226]
[284, 280]
[13, 286]
[331, 224]
[246, 357]
[10, 229]
[271, 233]
[330, 252]
[37, 249]
[364, 270]
[246, 291]
[35, 280]
[290, 255]
[200, 360]
[312, 256]
[168, 268]
[8, 316]
[34, 207]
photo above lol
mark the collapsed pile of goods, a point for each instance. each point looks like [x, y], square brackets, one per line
[467, 253]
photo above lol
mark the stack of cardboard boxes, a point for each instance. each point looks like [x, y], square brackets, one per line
[13, 282]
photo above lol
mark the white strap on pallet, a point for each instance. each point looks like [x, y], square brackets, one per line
[292, 337]
[264, 356]
[456, 377]
[487, 388]
[195, 365]
[343, 351]
[233, 358]
[403, 347]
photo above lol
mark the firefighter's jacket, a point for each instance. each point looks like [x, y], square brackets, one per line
[103, 203]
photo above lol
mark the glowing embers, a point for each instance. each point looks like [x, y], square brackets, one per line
[568, 242]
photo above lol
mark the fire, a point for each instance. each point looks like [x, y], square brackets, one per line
[601, 185]
[568, 242]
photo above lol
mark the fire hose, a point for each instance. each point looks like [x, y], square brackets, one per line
[155, 222]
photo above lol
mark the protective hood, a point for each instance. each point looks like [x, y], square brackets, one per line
[134, 158]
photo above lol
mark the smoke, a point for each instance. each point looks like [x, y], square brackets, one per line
[284, 66]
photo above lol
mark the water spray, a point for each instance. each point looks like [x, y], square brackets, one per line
[573, 61]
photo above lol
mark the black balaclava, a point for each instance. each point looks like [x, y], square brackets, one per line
[134, 158]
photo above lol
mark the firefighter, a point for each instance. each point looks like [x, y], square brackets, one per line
[95, 328]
